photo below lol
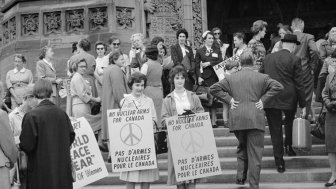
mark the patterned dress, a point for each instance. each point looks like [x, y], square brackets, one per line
[148, 175]
[259, 51]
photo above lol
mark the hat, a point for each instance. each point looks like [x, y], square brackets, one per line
[29, 90]
[205, 34]
[290, 38]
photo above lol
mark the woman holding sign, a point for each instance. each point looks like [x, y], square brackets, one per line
[137, 83]
[178, 102]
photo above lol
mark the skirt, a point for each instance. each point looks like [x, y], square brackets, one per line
[330, 132]
[156, 94]
[148, 175]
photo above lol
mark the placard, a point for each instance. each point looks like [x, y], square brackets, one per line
[193, 146]
[85, 154]
[131, 139]
[220, 70]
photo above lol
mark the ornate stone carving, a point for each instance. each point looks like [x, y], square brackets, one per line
[52, 23]
[6, 34]
[30, 24]
[166, 20]
[74, 20]
[125, 17]
[197, 22]
[98, 18]
[9, 30]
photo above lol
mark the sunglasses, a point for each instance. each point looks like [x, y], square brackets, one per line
[100, 48]
[115, 44]
[216, 33]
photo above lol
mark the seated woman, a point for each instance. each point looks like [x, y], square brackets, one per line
[137, 83]
[176, 103]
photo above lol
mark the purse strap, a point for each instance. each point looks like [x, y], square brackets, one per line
[321, 111]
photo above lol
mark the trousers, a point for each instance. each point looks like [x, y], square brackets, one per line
[249, 155]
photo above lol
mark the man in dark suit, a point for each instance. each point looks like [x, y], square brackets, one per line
[286, 68]
[247, 91]
[308, 53]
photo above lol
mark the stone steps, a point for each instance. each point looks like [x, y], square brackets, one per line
[300, 185]
[229, 176]
[297, 162]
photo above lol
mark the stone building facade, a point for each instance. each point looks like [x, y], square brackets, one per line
[29, 25]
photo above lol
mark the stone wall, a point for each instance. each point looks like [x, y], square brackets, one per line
[27, 26]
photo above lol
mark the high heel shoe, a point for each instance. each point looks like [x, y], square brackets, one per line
[328, 184]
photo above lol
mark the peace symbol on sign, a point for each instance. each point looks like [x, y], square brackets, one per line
[192, 141]
[131, 134]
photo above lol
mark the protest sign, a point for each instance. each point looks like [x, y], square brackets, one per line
[85, 154]
[220, 70]
[131, 139]
[193, 146]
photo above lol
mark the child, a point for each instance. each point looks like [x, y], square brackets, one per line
[231, 67]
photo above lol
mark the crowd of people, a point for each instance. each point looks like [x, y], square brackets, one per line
[274, 85]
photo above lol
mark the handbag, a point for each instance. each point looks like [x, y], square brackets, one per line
[203, 93]
[22, 161]
[160, 139]
[318, 130]
[17, 183]
[73, 171]
[186, 63]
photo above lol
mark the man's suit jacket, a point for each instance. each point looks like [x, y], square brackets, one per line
[286, 69]
[8, 150]
[215, 57]
[308, 53]
[247, 87]
[177, 55]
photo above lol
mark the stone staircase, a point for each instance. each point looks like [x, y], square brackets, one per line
[306, 167]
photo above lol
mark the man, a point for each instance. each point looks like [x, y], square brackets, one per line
[285, 68]
[246, 91]
[307, 52]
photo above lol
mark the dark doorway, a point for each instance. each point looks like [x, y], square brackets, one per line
[238, 15]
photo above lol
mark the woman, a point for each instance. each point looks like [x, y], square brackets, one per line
[8, 150]
[152, 69]
[137, 83]
[45, 69]
[15, 122]
[206, 58]
[177, 103]
[239, 43]
[114, 88]
[18, 79]
[101, 63]
[329, 98]
[46, 137]
[283, 30]
[259, 31]
[115, 46]
[182, 54]
[81, 91]
[167, 64]
[137, 53]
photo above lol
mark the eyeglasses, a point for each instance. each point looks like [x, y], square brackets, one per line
[216, 33]
[28, 96]
[115, 44]
[100, 48]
